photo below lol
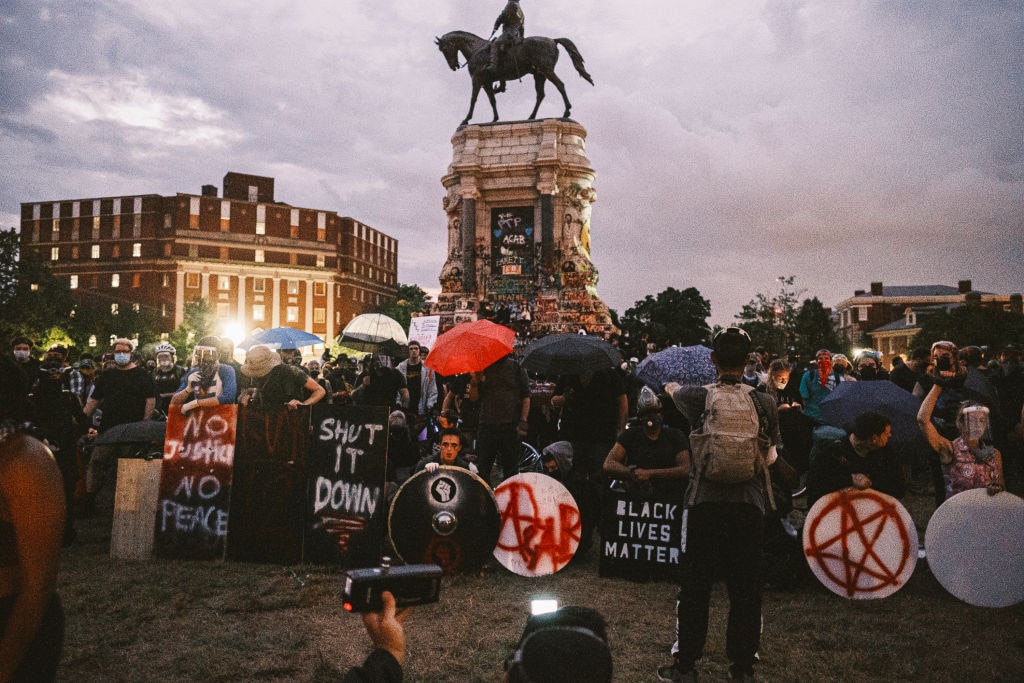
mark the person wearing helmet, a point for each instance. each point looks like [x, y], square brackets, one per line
[653, 456]
[166, 375]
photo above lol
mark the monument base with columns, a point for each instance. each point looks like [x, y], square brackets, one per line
[518, 203]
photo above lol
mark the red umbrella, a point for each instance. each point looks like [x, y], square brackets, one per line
[470, 347]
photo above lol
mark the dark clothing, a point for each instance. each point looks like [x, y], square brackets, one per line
[724, 532]
[383, 388]
[591, 411]
[835, 462]
[166, 386]
[904, 377]
[652, 454]
[502, 388]
[279, 386]
[380, 667]
[123, 395]
[723, 541]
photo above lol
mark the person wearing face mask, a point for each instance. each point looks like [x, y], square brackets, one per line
[21, 349]
[125, 393]
[313, 368]
[795, 427]
[818, 382]
[167, 375]
[208, 382]
[650, 454]
[869, 366]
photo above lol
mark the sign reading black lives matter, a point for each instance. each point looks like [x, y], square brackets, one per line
[640, 537]
[195, 484]
[346, 474]
[512, 251]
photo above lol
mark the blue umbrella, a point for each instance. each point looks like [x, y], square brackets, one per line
[281, 338]
[687, 365]
[849, 399]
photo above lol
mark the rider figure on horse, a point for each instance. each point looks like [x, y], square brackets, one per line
[511, 22]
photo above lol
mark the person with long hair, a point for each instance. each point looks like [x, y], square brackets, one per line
[969, 461]
[32, 511]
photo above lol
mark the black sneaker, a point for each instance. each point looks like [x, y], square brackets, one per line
[670, 674]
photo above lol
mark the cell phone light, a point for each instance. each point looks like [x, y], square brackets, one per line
[543, 606]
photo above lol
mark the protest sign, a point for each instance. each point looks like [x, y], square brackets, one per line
[424, 329]
[268, 500]
[195, 484]
[346, 474]
[640, 536]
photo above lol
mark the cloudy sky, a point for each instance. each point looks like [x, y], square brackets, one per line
[734, 141]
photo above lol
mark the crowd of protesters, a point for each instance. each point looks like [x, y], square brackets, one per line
[589, 429]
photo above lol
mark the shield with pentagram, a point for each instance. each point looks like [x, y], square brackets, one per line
[861, 545]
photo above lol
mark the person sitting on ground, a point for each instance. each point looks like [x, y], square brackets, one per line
[32, 510]
[449, 453]
[862, 459]
[269, 384]
[969, 461]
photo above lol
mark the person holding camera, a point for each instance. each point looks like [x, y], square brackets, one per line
[208, 383]
[968, 460]
[384, 663]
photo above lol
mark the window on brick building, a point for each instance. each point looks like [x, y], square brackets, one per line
[292, 314]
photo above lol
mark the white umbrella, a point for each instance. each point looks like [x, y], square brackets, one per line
[372, 329]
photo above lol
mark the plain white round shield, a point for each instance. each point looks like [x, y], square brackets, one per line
[975, 547]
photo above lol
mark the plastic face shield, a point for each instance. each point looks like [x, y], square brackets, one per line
[975, 422]
[206, 353]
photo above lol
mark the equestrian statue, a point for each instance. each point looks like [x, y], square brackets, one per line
[508, 57]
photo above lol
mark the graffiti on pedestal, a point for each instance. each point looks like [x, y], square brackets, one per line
[512, 242]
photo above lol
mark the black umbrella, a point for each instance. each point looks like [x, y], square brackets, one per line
[570, 354]
[144, 431]
[849, 399]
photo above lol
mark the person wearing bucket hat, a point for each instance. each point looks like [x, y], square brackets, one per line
[268, 384]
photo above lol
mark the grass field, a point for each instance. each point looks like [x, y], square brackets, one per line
[224, 621]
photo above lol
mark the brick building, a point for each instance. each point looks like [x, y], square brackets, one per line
[887, 317]
[260, 263]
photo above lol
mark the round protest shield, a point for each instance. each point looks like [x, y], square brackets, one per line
[540, 524]
[448, 517]
[974, 547]
[860, 544]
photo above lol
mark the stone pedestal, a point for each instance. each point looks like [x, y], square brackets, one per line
[518, 206]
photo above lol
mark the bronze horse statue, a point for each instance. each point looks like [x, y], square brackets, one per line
[535, 55]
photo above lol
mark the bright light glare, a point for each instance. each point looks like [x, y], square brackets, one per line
[543, 606]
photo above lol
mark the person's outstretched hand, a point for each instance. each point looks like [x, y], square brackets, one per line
[385, 627]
